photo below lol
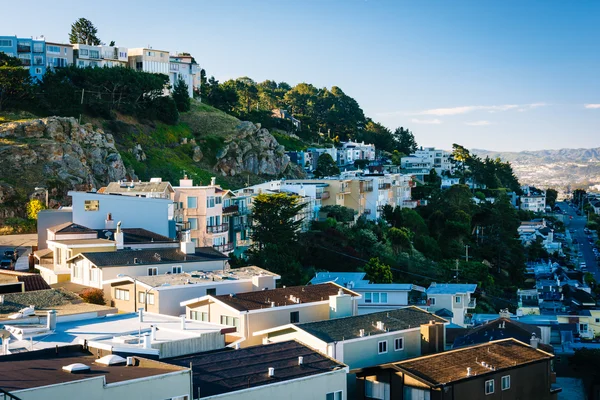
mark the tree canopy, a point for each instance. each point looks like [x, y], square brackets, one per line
[326, 166]
[83, 31]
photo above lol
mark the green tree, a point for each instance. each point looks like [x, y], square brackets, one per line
[339, 213]
[377, 272]
[181, 97]
[400, 239]
[83, 31]
[15, 83]
[274, 220]
[405, 141]
[326, 166]
[461, 157]
[551, 196]
[34, 206]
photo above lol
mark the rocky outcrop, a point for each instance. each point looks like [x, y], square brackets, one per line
[251, 148]
[42, 152]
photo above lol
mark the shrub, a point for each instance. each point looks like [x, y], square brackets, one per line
[93, 296]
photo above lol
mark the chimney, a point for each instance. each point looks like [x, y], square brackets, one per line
[109, 223]
[300, 360]
[51, 320]
[146, 341]
[186, 245]
[130, 361]
[119, 237]
[271, 372]
[534, 341]
[183, 322]
[153, 333]
[141, 313]
[212, 181]
[468, 371]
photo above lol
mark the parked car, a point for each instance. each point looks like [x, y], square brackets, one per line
[6, 263]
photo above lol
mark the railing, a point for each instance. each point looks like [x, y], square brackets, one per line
[223, 248]
[384, 186]
[367, 187]
[472, 303]
[231, 209]
[23, 48]
[244, 210]
[25, 62]
[367, 211]
[217, 228]
[322, 195]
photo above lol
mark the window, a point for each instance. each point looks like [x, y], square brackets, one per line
[176, 269]
[231, 321]
[211, 292]
[334, 395]
[383, 297]
[93, 274]
[294, 317]
[375, 297]
[91, 205]
[76, 271]
[122, 294]
[399, 344]
[192, 202]
[122, 54]
[210, 202]
[382, 346]
[53, 49]
[38, 71]
[150, 298]
[598, 320]
[83, 52]
[506, 382]
[368, 298]
[381, 390]
[141, 297]
[457, 299]
[199, 316]
[489, 386]
[218, 200]
[150, 54]
[5, 43]
[152, 271]
[583, 327]
[193, 223]
[80, 64]
[38, 47]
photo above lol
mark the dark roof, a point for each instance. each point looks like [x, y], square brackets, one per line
[33, 282]
[444, 312]
[232, 370]
[70, 227]
[450, 366]
[281, 297]
[501, 328]
[135, 236]
[152, 256]
[25, 371]
[339, 329]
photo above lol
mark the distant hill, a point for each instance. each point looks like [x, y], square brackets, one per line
[564, 169]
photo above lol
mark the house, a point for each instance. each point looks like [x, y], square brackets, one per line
[352, 151]
[114, 56]
[149, 60]
[162, 294]
[422, 161]
[87, 55]
[533, 199]
[156, 188]
[284, 114]
[58, 55]
[205, 211]
[451, 301]
[256, 311]
[94, 269]
[183, 67]
[506, 369]
[93, 210]
[66, 372]
[367, 340]
[374, 296]
[31, 52]
[106, 332]
[287, 370]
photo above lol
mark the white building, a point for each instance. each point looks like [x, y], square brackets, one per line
[184, 67]
[99, 56]
[352, 151]
[425, 159]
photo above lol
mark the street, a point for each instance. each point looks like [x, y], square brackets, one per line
[577, 224]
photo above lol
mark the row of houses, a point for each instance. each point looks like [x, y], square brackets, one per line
[39, 55]
[345, 155]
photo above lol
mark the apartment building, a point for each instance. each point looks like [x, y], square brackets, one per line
[31, 52]
[287, 370]
[59, 55]
[256, 311]
[86, 55]
[183, 67]
[425, 159]
[156, 188]
[149, 60]
[502, 369]
[206, 212]
[351, 151]
[451, 301]
[162, 294]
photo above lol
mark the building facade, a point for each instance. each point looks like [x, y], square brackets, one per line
[31, 52]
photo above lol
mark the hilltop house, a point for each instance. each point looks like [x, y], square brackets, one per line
[451, 301]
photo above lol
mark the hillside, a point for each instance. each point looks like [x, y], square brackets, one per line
[60, 154]
[564, 169]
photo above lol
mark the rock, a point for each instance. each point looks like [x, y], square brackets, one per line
[138, 153]
[184, 140]
[7, 193]
[197, 156]
[193, 141]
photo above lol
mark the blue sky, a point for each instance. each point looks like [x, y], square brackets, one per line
[504, 75]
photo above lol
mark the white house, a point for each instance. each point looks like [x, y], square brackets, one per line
[425, 159]
[352, 151]
[451, 301]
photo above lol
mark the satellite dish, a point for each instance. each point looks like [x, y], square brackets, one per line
[4, 334]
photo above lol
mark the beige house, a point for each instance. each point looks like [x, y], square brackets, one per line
[162, 294]
[205, 211]
[287, 370]
[452, 301]
[74, 372]
[156, 188]
[252, 312]
[149, 60]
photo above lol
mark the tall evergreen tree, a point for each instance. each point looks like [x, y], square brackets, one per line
[181, 96]
[83, 31]
[405, 141]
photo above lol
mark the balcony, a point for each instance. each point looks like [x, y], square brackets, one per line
[243, 210]
[224, 248]
[385, 186]
[25, 62]
[231, 209]
[23, 48]
[472, 303]
[217, 228]
[322, 195]
[366, 187]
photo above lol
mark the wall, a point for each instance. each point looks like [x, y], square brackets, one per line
[207, 342]
[309, 388]
[132, 211]
[364, 352]
[48, 219]
[109, 273]
[151, 388]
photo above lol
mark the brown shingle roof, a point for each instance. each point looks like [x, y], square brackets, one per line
[281, 297]
[450, 366]
[33, 282]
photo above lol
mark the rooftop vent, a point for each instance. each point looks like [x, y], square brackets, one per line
[469, 371]
[130, 362]
[76, 367]
[380, 325]
[361, 332]
[111, 359]
[300, 360]
[271, 372]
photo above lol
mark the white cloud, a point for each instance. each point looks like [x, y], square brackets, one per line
[426, 121]
[441, 112]
[592, 106]
[478, 123]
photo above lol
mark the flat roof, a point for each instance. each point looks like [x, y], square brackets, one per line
[151, 256]
[282, 296]
[340, 329]
[450, 366]
[47, 370]
[117, 196]
[74, 242]
[451, 288]
[140, 187]
[233, 370]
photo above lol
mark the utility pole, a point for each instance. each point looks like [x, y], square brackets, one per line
[467, 252]
[456, 271]
[82, 93]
